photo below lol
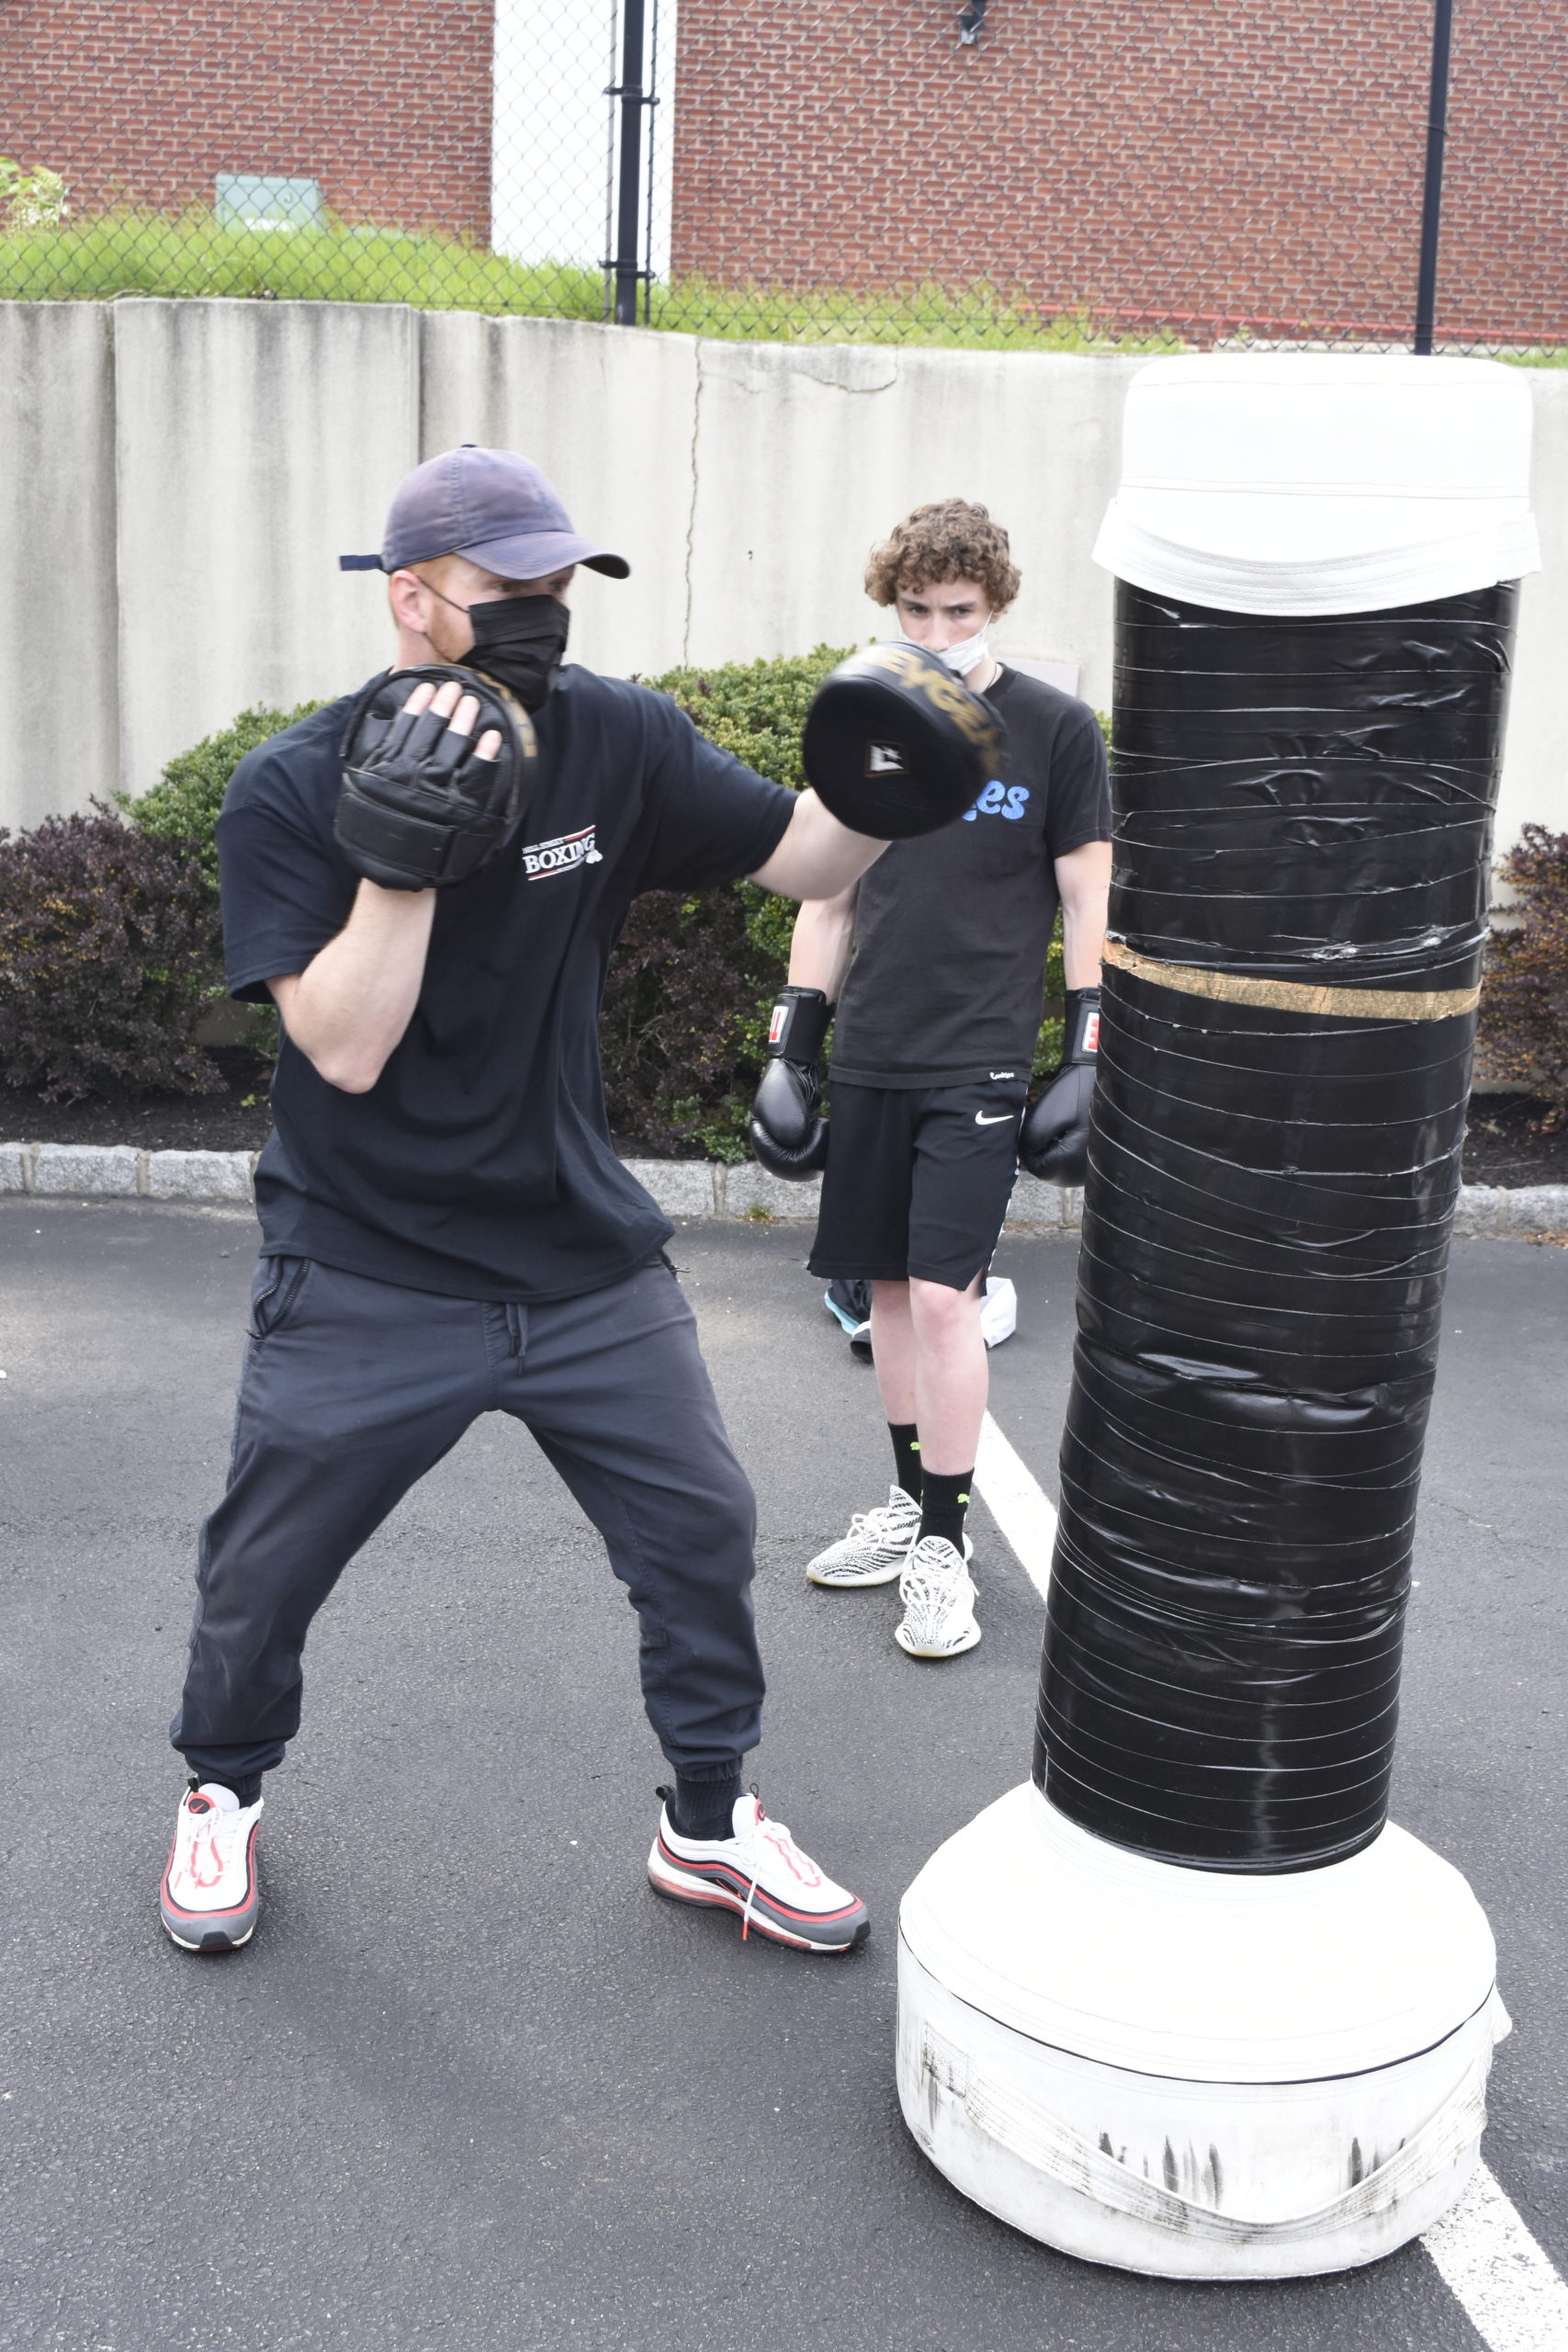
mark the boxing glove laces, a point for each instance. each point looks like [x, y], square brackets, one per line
[1053, 1141]
[788, 1137]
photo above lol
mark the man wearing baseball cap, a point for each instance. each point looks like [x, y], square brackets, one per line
[428, 884]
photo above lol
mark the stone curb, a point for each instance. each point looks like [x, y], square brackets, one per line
[679, 1187]
[118, 1171]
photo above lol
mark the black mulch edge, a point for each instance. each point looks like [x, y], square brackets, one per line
[1507, 1143]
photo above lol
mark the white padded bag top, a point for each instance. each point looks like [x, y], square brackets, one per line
[1322, 482]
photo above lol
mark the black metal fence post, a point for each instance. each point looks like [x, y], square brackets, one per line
[1432, 194]
[628, 271]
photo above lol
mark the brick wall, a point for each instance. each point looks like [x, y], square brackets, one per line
[1219, 159]
[144, 102]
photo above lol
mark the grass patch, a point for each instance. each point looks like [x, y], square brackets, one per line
[981, 317]
[192, 253]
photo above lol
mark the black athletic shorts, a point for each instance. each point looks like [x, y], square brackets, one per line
[918, 1180]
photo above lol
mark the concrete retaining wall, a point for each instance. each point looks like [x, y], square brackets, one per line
[681, 1188]
[183, 476]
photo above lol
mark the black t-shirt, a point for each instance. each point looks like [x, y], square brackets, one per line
[948, 982]
[479, 1163]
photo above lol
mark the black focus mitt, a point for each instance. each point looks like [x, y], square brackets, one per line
[419, 809]
[895, 745]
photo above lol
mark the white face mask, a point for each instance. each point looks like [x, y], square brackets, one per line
[966, 655]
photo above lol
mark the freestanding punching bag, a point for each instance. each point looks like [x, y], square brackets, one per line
[1187, 2002]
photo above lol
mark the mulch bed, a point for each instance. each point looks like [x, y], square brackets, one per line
[1507, 1143]
[236, 1119]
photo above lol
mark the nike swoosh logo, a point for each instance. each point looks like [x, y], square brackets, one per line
[996, 1120]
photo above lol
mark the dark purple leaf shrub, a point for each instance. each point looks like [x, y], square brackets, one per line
[1523, 1031]
[110, 947]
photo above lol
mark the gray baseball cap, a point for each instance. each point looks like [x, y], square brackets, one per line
[490, 505]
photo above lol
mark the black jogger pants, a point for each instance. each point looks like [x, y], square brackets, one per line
[353, 1389]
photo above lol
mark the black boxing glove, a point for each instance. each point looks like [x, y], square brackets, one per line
[1053, 1141]
[787, 1136]
[894, 746]
[419, 807]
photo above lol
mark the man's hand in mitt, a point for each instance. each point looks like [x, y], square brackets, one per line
[423, 803]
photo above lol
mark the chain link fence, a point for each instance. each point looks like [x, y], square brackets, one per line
[1134, 175]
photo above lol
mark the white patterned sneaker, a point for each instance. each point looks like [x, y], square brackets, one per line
[210, 1894]
[876, 1546]
[760, 1871]
[938, 1594]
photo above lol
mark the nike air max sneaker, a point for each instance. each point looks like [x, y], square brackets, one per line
[210, 1894]
[874, 1550]
[938, 1594]
[759, 1872]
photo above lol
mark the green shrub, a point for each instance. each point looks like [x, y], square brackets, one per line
[184, 804]
[692, 978]
[110, 952]
[1523, 1027]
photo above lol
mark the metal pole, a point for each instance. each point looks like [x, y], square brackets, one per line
[630, 91]
[1432, 194]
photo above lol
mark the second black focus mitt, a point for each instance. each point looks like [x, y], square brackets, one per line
[894, 746]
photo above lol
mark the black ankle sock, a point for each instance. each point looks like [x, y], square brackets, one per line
[907, 1454]
[703, 1808]
[944, 1501]
[247, 1791]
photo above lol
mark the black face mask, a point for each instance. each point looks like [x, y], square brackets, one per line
[518, 642]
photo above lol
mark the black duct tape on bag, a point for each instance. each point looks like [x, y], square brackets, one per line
[1299, 804]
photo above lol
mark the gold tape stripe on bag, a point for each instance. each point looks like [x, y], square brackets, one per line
[1294, 996]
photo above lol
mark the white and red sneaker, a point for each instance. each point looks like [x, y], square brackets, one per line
[760, 1871]
[210, 1894]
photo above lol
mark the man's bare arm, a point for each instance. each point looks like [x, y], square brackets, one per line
[823, 941]
[818, 858]
[1083, 880]
[349, 1007]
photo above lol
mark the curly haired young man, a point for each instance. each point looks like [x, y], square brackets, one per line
[933, 963]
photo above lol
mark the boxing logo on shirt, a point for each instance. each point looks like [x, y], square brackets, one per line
[562, 855]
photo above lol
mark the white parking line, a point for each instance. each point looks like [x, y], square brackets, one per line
[1512, 2296]
[1025, 1515]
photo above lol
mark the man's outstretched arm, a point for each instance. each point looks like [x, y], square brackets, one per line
[818, 858]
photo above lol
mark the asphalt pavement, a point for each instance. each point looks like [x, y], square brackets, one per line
[473, 2084]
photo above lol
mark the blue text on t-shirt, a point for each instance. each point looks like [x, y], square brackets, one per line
[1000, 800]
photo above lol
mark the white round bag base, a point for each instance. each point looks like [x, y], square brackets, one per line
[1190, 2073]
